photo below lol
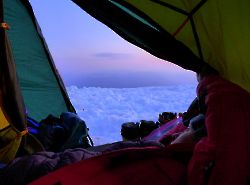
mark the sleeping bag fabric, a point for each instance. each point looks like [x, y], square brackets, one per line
[223, 157]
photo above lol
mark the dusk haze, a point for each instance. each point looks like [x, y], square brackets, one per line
[88, 53]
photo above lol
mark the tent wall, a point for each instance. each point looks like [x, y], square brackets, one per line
[41, 86]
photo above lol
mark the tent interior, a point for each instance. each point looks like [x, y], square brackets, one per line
[191, 34]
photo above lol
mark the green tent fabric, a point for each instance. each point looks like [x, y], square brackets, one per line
[187, 33]
[41, 86]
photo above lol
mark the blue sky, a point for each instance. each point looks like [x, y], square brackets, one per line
[88, 53]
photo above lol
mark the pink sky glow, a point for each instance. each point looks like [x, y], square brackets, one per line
[88, 53]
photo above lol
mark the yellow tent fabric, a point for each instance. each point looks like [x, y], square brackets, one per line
[3, 121]
[223, 29]
[9, 140]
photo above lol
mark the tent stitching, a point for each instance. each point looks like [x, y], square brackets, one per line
[190, 17]
[171, 7]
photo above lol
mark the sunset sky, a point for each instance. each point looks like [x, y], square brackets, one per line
[88, 53]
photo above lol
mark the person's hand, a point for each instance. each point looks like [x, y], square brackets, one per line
[185, 137]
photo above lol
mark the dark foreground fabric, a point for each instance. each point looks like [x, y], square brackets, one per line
[58, 134]
[223, 156]
[26, 169]
[133, 166]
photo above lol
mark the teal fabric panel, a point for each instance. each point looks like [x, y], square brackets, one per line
[40, 89]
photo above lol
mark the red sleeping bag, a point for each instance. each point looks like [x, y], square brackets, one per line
[223, 157]
[137, 166]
